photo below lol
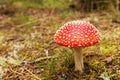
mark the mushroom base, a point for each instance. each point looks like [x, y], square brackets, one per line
[78, 58]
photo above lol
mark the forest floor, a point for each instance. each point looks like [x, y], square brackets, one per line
[28, 52]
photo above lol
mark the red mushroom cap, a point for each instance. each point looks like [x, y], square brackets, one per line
[77, 34]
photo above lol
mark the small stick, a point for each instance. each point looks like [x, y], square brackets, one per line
[44, 58]
[32, 74]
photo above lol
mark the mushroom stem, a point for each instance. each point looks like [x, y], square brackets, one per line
[78, 57]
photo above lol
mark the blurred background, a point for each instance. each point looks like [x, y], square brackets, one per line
[27, 49]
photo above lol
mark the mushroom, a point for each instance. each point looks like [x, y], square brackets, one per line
[77, 34]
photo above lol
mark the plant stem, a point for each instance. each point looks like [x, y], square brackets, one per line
[78, 57]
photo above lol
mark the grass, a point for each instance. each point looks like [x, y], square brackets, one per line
[27, 50]
[51, 4]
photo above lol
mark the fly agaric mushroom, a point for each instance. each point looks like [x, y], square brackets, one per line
[77, 34]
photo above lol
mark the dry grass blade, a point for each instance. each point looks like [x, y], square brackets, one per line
[15, 71]
[33, 75]
[44, 58]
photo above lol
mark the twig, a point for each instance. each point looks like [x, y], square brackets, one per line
[36, 77]
[44, 58]
[15, 71]
[32, 74]
[34, 21]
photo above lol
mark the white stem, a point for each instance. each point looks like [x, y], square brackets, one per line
[78, 57]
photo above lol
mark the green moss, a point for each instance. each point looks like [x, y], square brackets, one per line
[20, 19]
[53, 65]
[27, 4]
